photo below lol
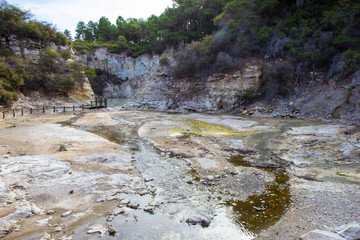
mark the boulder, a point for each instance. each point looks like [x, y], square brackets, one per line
[198, 220]
[97, 228]
[66, 214]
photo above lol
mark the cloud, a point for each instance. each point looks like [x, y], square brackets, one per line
[65, 14]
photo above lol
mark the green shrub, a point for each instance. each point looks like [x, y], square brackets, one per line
[306, 32]
[64, 83]
[75, 66]
[264, 34]
[90, 73]
[352, 60]
[7, 96]
[66, 54]
[278, 79]
[49, 59]
[165, 61]
[10, 84]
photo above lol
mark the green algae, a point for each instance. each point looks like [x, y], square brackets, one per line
[237, 161]
[197, 127]
[194, 174]
[108, 133]
[259, 212]
[71, 121]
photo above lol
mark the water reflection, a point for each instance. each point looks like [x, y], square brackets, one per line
[118, 102]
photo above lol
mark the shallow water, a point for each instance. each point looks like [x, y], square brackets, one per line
[181, 199]
[229, 169]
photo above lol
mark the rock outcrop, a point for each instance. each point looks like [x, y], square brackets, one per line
[82, 90]
[333, 99]
[152, 86]
[219, 92]
[31, 51]
[132, 72]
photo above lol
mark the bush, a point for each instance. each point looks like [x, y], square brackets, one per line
[75, 67]
[352, 61]
[64, 83]
[165, 61]
[90, 73]
[10, 83]
[7, 96]
[66, 54]
[185, 61]
[278, 79]
[49, 59]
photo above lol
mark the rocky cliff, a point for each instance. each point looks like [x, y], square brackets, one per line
[152, 86]
[131, 73]
[31, 51]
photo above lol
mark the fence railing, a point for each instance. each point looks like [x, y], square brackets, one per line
[96, 104]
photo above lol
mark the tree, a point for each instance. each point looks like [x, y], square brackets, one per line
[67, 33]
[89, 31]
[80, 30]
[11, 20]
[103, 30]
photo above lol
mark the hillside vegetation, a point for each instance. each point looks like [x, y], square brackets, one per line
[48, 71]
[216, 35]
[296, 37]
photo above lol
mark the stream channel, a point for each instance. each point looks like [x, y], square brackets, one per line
[237, 186]
[204, 176]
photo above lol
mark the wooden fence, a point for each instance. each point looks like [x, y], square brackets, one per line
[96, 104]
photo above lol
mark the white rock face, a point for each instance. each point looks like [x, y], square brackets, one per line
[31, 51]
[134, 72]
[122, 66]
[152, 86]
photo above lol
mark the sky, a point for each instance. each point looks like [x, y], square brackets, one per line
[65, 14]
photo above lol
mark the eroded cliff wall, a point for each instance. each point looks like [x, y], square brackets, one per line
[153, 86]
[31, 51]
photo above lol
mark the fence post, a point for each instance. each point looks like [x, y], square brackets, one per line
[13, 113]
[82, 107]
[96, 102]
[3, 114]
[43, 109]
[74, 108]
[64, 109]
[31, 110]
[22, 112]
[91, 102]
[54, 109]
[105, 102]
